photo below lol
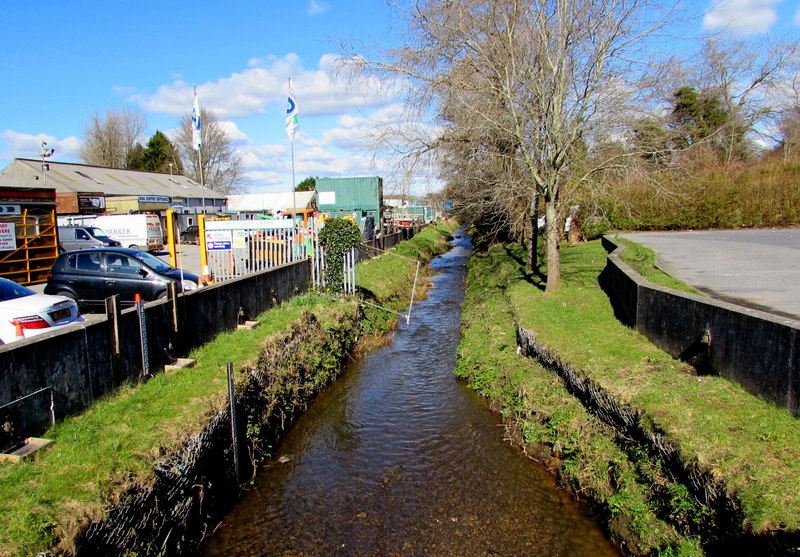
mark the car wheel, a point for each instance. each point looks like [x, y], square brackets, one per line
[162, 295]
[134, 246]
[67, 294]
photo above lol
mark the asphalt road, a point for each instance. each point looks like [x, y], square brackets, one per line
[759, 269]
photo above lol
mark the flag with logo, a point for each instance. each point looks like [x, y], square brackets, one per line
[197, 140]
[292, 124]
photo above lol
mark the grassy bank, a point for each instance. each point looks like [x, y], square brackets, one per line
[750, 446]
[98, 455]
[643, 260]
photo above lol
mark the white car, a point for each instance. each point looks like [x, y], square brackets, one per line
[25, 313]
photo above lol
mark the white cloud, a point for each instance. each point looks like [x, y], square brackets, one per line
[265, 81]
[233, 132]
[740, 17]
[316, 8]
[28, 146]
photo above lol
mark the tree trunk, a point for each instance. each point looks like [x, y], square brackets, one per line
[533, 252]
[553, 249]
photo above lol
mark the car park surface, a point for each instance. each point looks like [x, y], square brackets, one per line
[759, 269]
[25, 313]
[91, 276]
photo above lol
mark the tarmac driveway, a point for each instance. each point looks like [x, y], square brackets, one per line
[759, 269]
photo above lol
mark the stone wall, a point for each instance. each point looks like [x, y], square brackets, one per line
[758, 350]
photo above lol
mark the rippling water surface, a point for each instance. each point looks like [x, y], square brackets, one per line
[398, 458]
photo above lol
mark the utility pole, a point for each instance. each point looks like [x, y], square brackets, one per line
[45, 153]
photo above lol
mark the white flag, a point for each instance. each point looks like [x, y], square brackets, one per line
[197, 140]
[292, 125]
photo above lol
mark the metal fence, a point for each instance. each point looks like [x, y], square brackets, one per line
[237, 248]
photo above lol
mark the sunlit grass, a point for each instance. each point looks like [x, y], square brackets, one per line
[750, 444]
[112, 445]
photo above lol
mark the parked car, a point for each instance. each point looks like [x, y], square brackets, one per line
[83, 237]
[25, 313]
[189, 236]
[91, 276]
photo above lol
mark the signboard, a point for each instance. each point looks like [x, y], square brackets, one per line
[240, 239]
[153, 199]
[218, 240]
[87, 202]
[9, 210]
[8, 236]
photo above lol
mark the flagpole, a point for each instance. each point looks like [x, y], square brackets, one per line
[294, 184]
[197, 144]
[291, 130]
[202, 183]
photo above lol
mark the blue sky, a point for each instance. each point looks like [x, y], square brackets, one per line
[64, 60]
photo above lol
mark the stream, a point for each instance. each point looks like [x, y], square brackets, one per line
[397, 457]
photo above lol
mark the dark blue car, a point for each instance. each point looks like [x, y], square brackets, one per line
[90, 276]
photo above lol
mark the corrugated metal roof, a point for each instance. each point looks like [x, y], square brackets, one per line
[71, 177]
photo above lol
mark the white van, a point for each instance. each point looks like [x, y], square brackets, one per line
[133, 231]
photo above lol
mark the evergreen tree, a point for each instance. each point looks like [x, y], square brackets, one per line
[309, 184]
[158, 155]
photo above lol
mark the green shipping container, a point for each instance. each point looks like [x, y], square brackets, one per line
[358, 196]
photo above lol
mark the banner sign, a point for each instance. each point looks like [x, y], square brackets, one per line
[218, 240]
[153, 199]
[8, 236]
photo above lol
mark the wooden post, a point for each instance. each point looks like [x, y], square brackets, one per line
[234, 436]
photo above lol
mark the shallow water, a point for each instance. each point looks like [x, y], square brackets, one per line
[399, 458]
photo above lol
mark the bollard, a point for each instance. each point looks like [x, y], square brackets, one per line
[19, 332]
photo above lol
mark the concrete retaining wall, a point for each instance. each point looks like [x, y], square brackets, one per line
[758, 350]
[79, 365]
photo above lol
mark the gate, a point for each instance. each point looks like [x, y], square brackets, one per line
[236, 248]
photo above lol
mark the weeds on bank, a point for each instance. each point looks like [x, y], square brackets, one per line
[551, 425]
[750, 445]
[387, 280]
[112, 445]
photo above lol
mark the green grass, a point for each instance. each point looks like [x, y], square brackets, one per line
[112, 445]
[551, 425]
[643, 260]
[387, 279]
[750, 445]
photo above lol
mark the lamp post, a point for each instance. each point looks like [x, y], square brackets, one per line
[171, 188]
[45, 152]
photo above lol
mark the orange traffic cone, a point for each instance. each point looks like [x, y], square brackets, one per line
[19, 332]
[137, 298]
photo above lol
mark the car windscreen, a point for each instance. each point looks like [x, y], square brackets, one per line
[99, 234]
[152, 261]
[10, 290]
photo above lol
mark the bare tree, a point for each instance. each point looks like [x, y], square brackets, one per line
[221, 169]
[747, 77]
[107, 142]
[542, 76]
